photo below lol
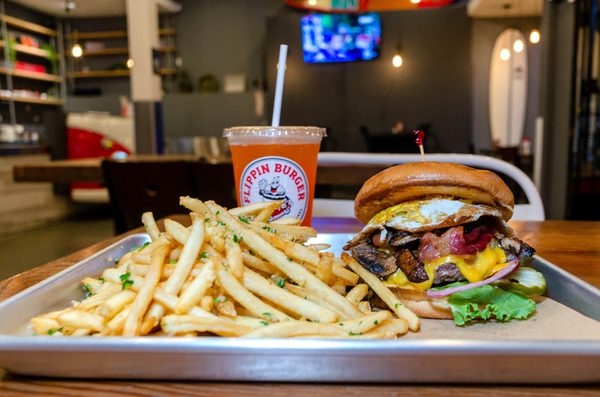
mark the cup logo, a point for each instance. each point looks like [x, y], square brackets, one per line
[276, 178]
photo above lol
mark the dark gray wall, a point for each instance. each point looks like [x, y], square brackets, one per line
[557, 105]
[226, 36]
[432, 86]
[483, 36]
[204, 114]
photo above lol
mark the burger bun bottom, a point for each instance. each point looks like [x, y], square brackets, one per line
[429, 309]
[420, 304]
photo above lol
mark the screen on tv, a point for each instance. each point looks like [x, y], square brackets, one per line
[340, 37]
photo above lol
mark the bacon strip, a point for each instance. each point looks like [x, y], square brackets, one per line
[454, 242]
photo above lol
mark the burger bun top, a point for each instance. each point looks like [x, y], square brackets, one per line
[422, 180]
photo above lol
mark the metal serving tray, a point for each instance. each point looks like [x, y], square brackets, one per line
[297, 360]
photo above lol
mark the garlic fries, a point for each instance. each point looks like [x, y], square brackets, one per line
[231, 273]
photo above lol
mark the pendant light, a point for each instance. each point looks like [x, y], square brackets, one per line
[76, 50]
[518, 46]
[534, 36]
[397, 58]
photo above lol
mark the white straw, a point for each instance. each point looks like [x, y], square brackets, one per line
[279, 86]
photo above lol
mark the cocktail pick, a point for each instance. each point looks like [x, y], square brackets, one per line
[419, 141]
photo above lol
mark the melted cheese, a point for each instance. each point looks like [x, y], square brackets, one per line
[473, 267]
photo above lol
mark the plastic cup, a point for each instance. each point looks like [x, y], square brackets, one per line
[276, 163]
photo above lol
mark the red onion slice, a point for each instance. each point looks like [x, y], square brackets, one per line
[512, 265]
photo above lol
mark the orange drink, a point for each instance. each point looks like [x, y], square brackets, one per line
[276, 163]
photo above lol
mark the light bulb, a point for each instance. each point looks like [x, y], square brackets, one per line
[518, 45]
[415, 1]
[312, 2]
[505, 54]
[76, 51]
[534, 36]
[397, 61]
[129, 63]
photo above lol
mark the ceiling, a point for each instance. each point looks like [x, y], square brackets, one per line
[352, 6]
[105, 8]
[89, 8]
[504, 8]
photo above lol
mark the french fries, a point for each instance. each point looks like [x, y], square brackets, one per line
[383, 292]
[292, 269]
[144, 296]
[195, 291]
[232, 273]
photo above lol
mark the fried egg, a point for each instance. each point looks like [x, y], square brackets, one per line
[419, 215]
[426, 215]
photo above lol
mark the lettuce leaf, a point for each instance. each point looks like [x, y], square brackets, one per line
[487, 302]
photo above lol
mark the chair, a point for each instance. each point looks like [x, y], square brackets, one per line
[146, 185]
[214, 182]
[532, 211]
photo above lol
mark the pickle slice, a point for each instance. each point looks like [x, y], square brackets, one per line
[525, 280]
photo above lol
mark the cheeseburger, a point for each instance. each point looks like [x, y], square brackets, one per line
[436, 234]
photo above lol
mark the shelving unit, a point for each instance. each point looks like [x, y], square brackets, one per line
[112, 73]
[26, 25]
[42, 101]
[31, 75]
[113, 34]
[21, 88]
[107, 57]
[97, 73]
[38, 52]
[115, 51]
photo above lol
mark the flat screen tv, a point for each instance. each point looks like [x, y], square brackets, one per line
[340, 37]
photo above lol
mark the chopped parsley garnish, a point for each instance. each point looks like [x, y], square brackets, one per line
[396, 305]
[217, 213]
[173, 261]
[236, 239]
[266, 314]
[289, 259]
[52, 331]
[375, 322]
[125, 281]
[89, 291]
[263, 322]
[220, 298]
[354, 334]
[279, 281]
[220, 223]
[101, 279]
[147, 243]
[244, 219]
[204, 255]
[269, 229]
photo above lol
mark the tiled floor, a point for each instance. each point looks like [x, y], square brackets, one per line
[26, 250]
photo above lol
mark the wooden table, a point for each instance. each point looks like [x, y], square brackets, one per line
[572, 245]
[90, 170]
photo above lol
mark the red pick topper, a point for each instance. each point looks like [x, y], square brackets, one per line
[420, 135]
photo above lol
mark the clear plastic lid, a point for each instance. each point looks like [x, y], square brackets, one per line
[270, 131]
